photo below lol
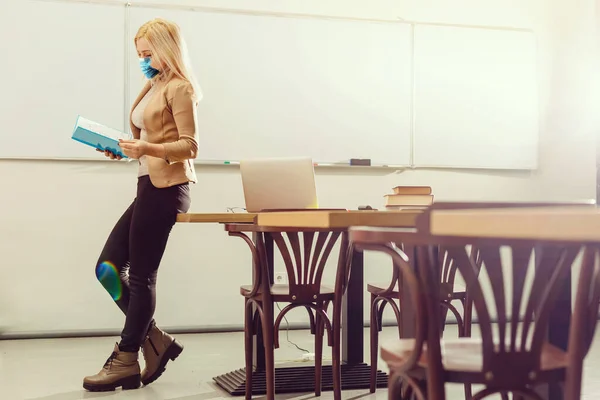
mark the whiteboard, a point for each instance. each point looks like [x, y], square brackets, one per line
[278, 86]
[476, 98]
[274, 86]
[62, 59]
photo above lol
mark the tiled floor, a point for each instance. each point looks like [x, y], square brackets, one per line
[53, 369]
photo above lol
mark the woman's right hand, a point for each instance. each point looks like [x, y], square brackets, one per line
[110, 154]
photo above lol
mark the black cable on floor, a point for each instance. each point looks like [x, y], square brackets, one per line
[287, 333]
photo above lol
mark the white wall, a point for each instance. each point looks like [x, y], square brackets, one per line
[52, 228]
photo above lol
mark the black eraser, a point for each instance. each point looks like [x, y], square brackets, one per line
[367, 207]
[361, 161]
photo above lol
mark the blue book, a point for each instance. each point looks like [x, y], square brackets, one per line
[99, 136]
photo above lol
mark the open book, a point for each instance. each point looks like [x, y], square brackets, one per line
[98, 136]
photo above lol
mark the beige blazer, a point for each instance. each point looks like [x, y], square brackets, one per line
[170, 118]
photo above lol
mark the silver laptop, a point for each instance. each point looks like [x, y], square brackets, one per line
[278, 184]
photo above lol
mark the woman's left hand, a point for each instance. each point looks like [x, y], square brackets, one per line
[134, 148]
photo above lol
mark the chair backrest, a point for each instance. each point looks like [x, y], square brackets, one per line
[584, 319]
[447, 271]
[587, 302]
[513, 340]
[305, 255]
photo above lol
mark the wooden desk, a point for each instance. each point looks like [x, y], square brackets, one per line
[355, 373]
[561, 224]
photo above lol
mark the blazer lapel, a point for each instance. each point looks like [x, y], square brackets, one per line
[134, 129]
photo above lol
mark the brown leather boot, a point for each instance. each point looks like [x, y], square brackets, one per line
[158, 348]
[121, 369]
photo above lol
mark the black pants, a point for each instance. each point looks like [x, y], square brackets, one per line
[128, 265]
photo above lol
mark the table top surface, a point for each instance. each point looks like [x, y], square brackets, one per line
[338, 219]
[545, 223]
[222, 218]
[321, 219]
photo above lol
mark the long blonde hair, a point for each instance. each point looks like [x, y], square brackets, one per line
[169, 49]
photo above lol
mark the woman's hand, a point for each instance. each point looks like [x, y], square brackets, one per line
[134, 148]
[110, 154]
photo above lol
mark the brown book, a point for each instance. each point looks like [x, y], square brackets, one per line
[412, 190]
[398, 208]
[408, 200]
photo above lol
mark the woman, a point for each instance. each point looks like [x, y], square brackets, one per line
[164, 126]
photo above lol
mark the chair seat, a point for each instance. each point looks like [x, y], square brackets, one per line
[284, 290]
[463, 355]
[378, 288]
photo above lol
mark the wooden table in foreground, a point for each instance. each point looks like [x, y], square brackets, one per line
[355, 373]
[548, 223]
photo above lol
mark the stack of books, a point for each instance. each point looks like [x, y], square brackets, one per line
[409, 197]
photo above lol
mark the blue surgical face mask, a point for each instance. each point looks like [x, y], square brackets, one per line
[147, 69]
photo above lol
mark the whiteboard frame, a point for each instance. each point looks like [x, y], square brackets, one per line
[399, 20]
[234, 163]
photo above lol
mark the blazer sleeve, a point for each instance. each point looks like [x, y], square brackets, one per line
[183, 106]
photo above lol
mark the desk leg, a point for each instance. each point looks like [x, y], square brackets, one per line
[355, 373]
[352, 314]
[354, 369]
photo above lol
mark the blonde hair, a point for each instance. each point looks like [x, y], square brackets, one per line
[169, 49]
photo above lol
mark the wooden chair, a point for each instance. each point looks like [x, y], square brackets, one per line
[513, 355]
[382, 295]
[304, 253]
[386, 294]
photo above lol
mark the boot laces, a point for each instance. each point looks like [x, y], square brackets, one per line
[110, 359]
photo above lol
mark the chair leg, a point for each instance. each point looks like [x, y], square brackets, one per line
[336, 356]
[574, 380]
[468, 391]
[380, 311]
[396, 391]
[374, 329]
[320, 331]
[248, 345]
[267, 327]
[468, 315]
